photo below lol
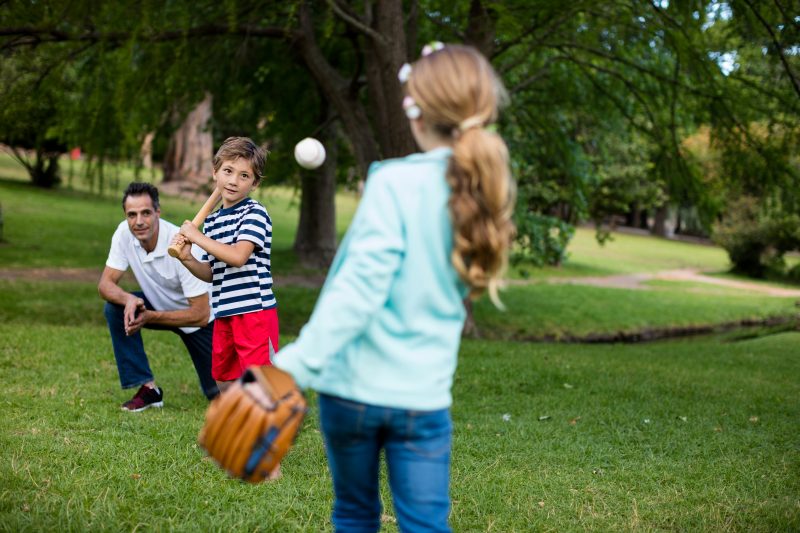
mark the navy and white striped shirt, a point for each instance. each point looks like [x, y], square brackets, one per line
[248, 288]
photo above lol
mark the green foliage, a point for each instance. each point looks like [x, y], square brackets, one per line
[602, 97]
[29, 124]
[625, 180]
[757, 239]
[542, 239]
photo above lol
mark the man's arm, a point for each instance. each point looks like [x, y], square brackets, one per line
[110, 291]
[196, 315]
[136, 315]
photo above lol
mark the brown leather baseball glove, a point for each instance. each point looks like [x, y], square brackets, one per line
[251, 426]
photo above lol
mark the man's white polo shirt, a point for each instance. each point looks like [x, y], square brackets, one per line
[163, 279]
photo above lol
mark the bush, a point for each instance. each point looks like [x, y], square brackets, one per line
[542, 239]
[756, 241]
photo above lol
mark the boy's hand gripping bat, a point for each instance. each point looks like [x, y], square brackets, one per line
[198, 219]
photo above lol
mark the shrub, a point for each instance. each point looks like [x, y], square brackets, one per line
[756, 241]
[542, 239]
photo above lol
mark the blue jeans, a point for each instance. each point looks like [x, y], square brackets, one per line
[417, 447]
[132, 365]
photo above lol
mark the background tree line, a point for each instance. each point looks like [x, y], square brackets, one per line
[674, 116]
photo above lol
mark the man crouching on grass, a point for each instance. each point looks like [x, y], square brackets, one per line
[171, 298]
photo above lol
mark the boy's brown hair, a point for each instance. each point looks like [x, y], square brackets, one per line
[235, 147]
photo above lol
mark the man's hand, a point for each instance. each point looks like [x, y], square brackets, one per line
[136, 315]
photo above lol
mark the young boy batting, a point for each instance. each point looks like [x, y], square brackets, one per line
[237, 241]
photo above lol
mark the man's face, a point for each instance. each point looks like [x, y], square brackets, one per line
[142, 220]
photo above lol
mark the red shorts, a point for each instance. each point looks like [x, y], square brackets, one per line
[243, 340]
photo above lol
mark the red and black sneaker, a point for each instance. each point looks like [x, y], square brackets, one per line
[145, 397]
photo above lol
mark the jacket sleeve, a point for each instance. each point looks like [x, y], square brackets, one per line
[373, 252]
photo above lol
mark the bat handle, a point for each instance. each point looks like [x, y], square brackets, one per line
[175, 251]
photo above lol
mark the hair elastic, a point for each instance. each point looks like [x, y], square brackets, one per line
[411, 108]
[431, 47]
[404, 73]
[472, 122]
[405, 70]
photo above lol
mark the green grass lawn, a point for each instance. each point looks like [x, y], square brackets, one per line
[696, 435]
[541, 310]
[62, 228]
[625, 254]
[692, 435]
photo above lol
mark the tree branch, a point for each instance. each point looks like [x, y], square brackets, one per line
[37, 36]
[584, 67]
[450, 27]
[552, 27]
[778, 46]
[673, 126]
[21, 159]
[355, 22]
[653, 74]
[634, 91]
[536, 75]
[787, 20]
[760, 88]
[69, 57]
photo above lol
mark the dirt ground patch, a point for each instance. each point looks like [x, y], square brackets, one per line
[92, 275]
[636, 281]
[622, 281]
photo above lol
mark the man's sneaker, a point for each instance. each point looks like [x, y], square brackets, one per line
[145, 397]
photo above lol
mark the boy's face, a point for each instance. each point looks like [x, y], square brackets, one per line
[235, 178]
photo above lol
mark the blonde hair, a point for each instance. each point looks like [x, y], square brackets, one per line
[459, 94]
[235, 147]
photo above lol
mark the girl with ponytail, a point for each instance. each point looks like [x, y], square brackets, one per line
[458, 95]
[381, 345]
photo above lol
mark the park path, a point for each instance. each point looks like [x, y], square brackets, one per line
[623, 281]
[637, 280]
[93, 275]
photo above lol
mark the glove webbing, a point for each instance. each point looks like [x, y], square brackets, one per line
[263, 445]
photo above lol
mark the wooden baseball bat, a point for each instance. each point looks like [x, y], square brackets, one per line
[198, 219]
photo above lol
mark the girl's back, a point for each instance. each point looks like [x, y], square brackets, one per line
[395, 262]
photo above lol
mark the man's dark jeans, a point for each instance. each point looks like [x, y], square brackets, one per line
[132, 365]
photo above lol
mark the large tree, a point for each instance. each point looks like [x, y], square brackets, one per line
[583, 77]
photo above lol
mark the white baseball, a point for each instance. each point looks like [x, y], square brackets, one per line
[309, 153]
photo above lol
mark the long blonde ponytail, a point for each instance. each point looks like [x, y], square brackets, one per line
[458, 94]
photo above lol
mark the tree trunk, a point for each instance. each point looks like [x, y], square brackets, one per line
[187, 164]
[146, 151]
[385, 52]
[45, 171]
[470, 329]
[315, 241]
[383, 58]
[660, 221]
[480, 28]
[633, 217]
[337, 93]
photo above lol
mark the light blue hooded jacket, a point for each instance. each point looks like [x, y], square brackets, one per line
[387, 325]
